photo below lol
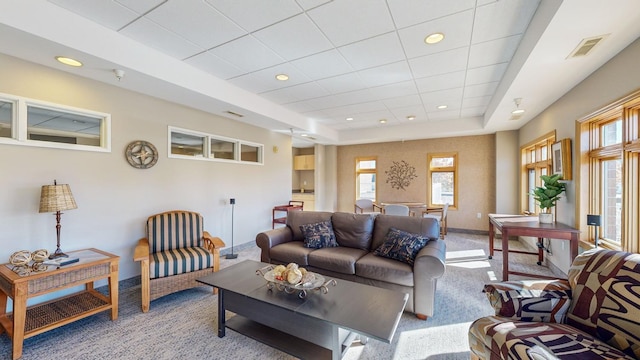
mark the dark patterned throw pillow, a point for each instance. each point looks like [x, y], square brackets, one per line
[319, 235]
[401, 245]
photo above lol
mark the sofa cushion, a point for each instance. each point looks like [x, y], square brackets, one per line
[492, 337]
[426, 227]
[339, 259]
[318, 235]
[297, 218]
[293, 251]
[383, 269]
[401, 245]
[353, 230]
[530, 300]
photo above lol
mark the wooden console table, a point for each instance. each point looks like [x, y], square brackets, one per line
[26, 322]
[520, 225]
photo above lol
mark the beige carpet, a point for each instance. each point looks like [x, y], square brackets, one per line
[183, 325]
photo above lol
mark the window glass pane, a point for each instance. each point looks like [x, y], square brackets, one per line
[6, 113]
[187, 144]
[222, 149]
[366, 186]
[532, 153]
[442, 187]
[366, 164]
[249, 153]
[612, 199]
[543, 152]
[62, 127]
[441, 162]
[612, 133]
[531, 184]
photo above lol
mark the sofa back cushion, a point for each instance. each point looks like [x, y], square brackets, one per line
[606, 297]
[297, 218]
[427, 227]
[353, 230]
[174, 230]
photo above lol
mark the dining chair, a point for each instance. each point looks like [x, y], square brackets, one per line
[397, 209]
[366, 206]
[439, 214]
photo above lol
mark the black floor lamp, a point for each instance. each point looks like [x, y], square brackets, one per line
[594, 220]
[232, 201]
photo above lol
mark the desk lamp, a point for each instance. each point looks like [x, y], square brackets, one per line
[56, 198]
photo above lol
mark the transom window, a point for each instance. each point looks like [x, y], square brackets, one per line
[190, 144]
[443, 181]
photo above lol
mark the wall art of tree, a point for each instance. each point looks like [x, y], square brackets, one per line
[400, 175]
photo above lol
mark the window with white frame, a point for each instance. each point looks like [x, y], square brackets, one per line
[366, 178]
[31, 122]
[191, 144]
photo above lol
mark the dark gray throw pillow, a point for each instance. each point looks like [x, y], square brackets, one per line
[401, 245]
[318, 235]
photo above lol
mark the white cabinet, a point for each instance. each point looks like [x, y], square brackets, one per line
[309, 200]
[303, 162]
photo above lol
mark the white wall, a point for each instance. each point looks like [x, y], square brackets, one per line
[115, 199]
[507, 172]
[614, 80]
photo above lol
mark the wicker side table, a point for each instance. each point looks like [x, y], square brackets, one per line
[26, 322]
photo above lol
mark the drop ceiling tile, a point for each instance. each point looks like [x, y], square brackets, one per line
[248, 54]
[353, 97]
[410, 12]
[309, 4]
[342, 83]
[441, 82]
[195, 21]
[376, 51]
[403, 101]
[443, 97]
[440, 63]
[493, 52]
[456, 29]
[151, 34]
[393, 90]
[345, 22]
[502, 18]
[323, 65]
[476, 102]
[265, 80]
[320, 103]
[443, 115]
[402, 113]
[296, 93]
[107, 13]
[253, 15]
[214, 65]
[473, 111]
[139, 6]
[351, 110]
[485, 74]
[386, 74]
[294, 38]
[486, 89]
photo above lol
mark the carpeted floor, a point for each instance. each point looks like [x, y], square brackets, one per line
[183, 325]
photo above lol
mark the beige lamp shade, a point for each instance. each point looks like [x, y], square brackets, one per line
[55, 198]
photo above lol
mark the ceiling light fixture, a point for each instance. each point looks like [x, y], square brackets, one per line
[68, 61]
[119, 73]
[517, 111]
[442, 107]
[304, 135]
[383, 121]
[434, 38]
[411, 117]
[282, 77]
[349, 119]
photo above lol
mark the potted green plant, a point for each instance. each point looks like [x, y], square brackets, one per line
[547, 195]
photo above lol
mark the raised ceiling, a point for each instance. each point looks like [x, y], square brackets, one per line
[360, 59]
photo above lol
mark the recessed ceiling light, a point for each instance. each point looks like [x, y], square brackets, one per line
[68, 61]
[518, 111]
[442, 107]
[434, 38]
[282, 77]
[383, 121]
[349, 119]
[304, 135]
[411, 117]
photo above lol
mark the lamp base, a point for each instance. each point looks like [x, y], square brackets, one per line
[58, 254]
[231, 256]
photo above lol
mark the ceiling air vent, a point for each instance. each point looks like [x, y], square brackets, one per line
[234, 113]
[586, 45]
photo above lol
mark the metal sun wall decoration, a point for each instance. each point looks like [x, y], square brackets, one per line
[400, 175]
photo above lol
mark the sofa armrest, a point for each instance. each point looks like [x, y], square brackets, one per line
[141, 251]
[429, 265]
[530, 300]
[270, 238]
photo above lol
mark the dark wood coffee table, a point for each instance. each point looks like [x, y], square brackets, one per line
[320, 326]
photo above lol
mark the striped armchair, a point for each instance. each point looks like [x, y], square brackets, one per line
[174, 254]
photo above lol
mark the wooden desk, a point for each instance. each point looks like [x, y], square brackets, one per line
[519, 225]
[282, 219]
[26, 322]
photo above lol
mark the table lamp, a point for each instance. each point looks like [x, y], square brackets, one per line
[56, 198]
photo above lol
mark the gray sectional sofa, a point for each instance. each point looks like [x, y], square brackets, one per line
[358, 236]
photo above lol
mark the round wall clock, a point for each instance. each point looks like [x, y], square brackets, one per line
[141, 154]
